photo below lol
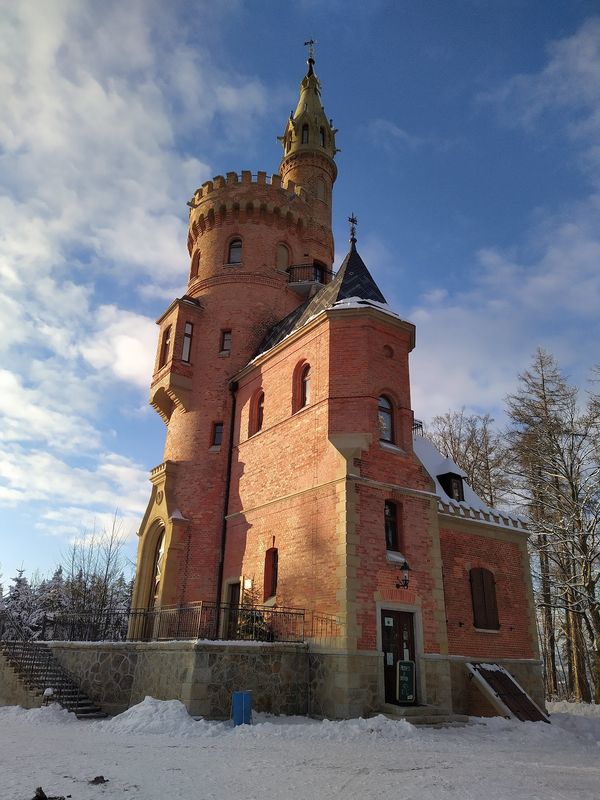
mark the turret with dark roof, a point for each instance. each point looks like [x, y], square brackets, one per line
[352, 282]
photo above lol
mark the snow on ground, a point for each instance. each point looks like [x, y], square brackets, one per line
[156, 751]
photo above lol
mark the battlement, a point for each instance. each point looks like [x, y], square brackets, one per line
[246, 196]
[241, 180]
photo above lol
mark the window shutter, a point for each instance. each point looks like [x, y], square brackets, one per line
[489, 596]
[483, 595]
[477, 596]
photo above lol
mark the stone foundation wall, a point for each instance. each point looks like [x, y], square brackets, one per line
[344, 685]
[12, 690]
[284, 679]
[203, 676]
[435, 682]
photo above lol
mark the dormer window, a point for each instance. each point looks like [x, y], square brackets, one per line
[452, 484]
[305, 134]
[322, 136]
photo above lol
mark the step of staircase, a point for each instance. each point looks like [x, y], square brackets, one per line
[24, 659]
[429, 716]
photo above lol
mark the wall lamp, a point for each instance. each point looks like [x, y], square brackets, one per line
[402, 583]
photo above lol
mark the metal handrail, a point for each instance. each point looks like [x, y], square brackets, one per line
[309, 272]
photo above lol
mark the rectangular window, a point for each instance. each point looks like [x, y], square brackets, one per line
[187, 341]
[217, 434]
[164, 347]
[225, 341]
[392, 519]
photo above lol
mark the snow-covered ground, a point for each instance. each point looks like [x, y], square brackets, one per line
[156, 751]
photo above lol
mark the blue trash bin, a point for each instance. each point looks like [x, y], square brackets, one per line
[241, 708]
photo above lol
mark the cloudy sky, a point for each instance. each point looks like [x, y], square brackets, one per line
[470, 152]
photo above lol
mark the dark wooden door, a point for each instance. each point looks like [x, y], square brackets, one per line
[398, 644]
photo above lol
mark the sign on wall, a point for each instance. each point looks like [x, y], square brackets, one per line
[405, 681]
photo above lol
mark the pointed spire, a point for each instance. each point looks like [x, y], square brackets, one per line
[353, 282]
[308, 129]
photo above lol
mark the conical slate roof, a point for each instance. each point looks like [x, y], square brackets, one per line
[353, 281]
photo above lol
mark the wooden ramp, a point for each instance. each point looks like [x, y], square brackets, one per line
[505, 694]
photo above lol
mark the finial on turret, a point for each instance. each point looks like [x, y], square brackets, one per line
[353, 223]
[311, 54]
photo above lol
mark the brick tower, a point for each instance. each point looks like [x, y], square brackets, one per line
[259, 245]
[292, 470]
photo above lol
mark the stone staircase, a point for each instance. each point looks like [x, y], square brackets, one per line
[430, 716]
[39, 671]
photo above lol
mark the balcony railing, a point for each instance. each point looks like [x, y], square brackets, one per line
[190, 621]
[417, 427]
[309, 273]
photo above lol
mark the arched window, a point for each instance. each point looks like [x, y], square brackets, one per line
[483, 597]
[283, 256]
[305, 386]
[195, 268]
[392, 515]
[301, 386]
[305, 134]
[271, 567]
[157, 571]
[386, 424]
[257, 413]
[322, 137]
[234, 255]
[164, 347]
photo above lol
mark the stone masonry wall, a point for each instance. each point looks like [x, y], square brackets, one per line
[203, 676]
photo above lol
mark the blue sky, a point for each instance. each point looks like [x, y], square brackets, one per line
[470, 152]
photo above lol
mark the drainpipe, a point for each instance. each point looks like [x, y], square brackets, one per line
[233, 387]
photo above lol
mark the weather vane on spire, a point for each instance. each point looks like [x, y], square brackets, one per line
[311, 49]
[353, 223]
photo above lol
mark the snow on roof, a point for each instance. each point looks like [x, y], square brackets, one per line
[472, 507]
[360, 302]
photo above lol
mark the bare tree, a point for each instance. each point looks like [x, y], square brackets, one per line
[96, 582]
[472, 443]
[556, 473]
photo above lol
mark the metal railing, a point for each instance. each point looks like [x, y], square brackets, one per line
[417, 427]
[199, 620]
[36, 665]
[325, 630]
[309, 273]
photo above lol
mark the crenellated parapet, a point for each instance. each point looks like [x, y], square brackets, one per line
[248, 197]
[245, 178]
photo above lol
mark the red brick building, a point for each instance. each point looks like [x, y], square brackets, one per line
[292, 472]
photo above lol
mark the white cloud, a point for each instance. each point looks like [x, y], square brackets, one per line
[564, 95]
[472, 342]
[123, 344]
[97, 99]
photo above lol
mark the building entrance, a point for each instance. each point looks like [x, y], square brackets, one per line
[398, 645]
